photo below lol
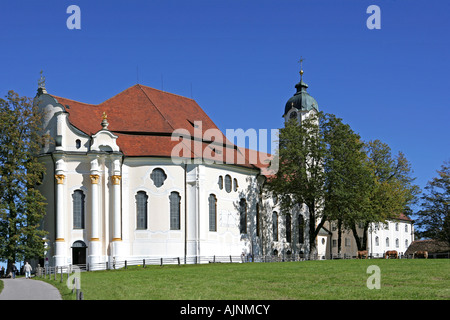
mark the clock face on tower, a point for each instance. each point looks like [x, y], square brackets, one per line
[293, 115]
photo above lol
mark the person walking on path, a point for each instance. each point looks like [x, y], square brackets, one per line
[13, 270]
[27, 268]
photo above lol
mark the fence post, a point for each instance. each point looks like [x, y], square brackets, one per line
[231, 260]
[61, 274]
[78, 290]
[143, 263]
[178, 260]
[74, 282]
[125, 264]
[161, 262]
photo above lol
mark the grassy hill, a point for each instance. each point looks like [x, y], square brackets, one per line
[330, 279]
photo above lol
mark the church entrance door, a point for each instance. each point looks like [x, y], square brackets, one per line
[79, 253]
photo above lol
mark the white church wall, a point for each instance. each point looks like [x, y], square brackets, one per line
[227, 239]
[157, 239]
[282, 247]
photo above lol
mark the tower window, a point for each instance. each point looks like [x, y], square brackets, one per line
[78, 143]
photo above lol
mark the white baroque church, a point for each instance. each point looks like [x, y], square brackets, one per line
[119, 185]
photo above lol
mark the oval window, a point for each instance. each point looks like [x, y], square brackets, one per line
[158, 176]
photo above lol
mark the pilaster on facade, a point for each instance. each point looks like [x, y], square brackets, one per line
[95, 244]
[60, 234]
[117, 221]
[115, 171]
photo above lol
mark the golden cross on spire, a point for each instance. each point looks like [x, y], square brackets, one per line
[41, 81]
[301, 67]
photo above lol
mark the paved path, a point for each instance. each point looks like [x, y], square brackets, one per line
[28, 289]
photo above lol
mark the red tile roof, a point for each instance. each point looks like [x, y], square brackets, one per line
[144, 119]
[402, 216]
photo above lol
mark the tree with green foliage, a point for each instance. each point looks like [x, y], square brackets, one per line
[325, 165]
[434, 217]
[300, 178]
[392, 191]
[322, 165]
[347, 177]
[22, 206]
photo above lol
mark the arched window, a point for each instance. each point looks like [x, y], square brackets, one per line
[212, 202]
[235, 184]
[397, 243]
[288, 227]
[158, 176]
[396, 226]
[258, 218]
[275, 225]
[228, 183]
[141, 210]
[220, 182]
[78, 209]
[301, 229]
[406, 243]
[377, 241]
[243, 215]
[387, 242]
[406, 228]
[175, 200]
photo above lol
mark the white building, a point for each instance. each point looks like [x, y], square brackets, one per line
[120, 186]
[393, 234]
[396, 234]
[146, 173]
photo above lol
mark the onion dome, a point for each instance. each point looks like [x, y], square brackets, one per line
[301, 99]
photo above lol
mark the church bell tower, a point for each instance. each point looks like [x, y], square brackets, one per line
[301, 103]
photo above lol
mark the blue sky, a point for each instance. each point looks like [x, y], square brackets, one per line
[239, 60]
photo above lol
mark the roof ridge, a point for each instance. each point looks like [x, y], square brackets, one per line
[118, 94]
[156, 107]
[171, 93]
[136, 85]
[58, 97]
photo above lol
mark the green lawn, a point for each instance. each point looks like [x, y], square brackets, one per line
[331, 279]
